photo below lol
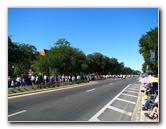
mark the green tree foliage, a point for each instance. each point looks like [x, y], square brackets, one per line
[61, 59]
[100, 64]
[41, 65]
[62, 42]
[147, 43]
[13, 52]
[20, 57]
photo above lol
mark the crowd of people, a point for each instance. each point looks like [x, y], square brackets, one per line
[151, 97]
[37, 79]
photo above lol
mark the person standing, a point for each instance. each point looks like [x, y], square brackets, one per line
[33, 79]
[12, 83]
[18, 79]
[45, 79]
[37, 80]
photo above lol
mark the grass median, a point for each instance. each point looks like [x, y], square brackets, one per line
[43, 86]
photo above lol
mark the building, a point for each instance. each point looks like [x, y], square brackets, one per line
[43, 52]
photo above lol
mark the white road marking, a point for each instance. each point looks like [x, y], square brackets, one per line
[126, 101]
[90, 90]
[107, 105]
[120, 110]
[133, 88]
[16, 113]
[110, 83]
[129, 95]
[131, 91]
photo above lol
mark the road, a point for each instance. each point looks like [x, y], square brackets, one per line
[95, 102]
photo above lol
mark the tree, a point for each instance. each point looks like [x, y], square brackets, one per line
[13, 52]
[41, 65]
[149, 42]
[96, 63]
[62, 42]
[20, 57]
[61, 59]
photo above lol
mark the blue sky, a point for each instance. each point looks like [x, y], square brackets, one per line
[114, 32]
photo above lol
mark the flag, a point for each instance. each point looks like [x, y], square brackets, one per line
[152, 56]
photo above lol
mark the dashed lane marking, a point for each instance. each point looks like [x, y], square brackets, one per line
[90, 90]
[17, 113]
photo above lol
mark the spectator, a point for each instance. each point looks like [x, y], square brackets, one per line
[23, 82]
[154, 113]
[37, 80]
[73, 78]
[9, 81]
[18, 79]
[153, 100]
[33, 79]
[78, 77]
[63, 78]
[12, 82]
[45, 78]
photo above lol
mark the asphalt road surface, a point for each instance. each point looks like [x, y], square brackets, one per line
[105, 101]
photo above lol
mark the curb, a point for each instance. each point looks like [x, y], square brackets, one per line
[137, 110]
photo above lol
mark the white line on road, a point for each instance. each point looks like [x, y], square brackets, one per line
[90, 90]
[125, 100]
[120, 110]
[110, 83]
[16, 113]
[134, 88]
[131, 91]
[129, 95]
[107, 105]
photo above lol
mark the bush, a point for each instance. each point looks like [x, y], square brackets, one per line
[20, 90]
[14, 91]
[25, 89]
[58, 85]
[70, 83]
[40, 86]
[48, 84]
[33, 88]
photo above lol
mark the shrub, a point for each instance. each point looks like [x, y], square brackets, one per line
[20, 90]
[33, 87]
[25, 89]
[70, 83]
[14, 91]
[48, 84]
[40, 86]
[58, 85]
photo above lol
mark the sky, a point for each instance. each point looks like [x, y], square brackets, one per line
[113, 32]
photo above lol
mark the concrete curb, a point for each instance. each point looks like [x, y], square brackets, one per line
[137, 110]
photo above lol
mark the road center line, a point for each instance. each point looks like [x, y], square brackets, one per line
[16, 113]
[90, 90]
